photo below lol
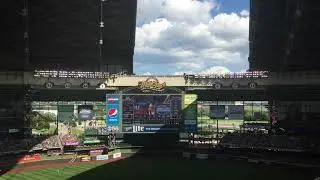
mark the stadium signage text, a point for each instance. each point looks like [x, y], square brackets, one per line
[138, 129]
[147, 129]
[96, 152]
[113, 99]
[116, 155]
[151, 84]
[30, 158]
[102, 157]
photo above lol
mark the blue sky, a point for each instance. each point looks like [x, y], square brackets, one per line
[192, 36]
[234, 5]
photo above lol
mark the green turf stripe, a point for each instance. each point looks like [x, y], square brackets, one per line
[57, 174]
[44, 175]
[67, 173]
[20, 176]
[51, 174]
[5, 177]
[74, 170]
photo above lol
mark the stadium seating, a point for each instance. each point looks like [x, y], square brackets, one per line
[69, 138]
[11, 146]
[265, 141]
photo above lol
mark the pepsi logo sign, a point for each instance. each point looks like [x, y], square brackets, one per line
[113, 112]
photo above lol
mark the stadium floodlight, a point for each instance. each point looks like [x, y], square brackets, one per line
[49, 85]
[85, 85]
[67, 85]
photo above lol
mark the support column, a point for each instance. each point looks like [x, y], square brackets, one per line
[273, 106]
[15, 108]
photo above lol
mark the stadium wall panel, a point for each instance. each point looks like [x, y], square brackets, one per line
[12, 42]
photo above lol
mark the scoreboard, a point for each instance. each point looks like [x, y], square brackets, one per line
[144, 113]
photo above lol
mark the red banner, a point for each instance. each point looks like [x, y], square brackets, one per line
[30, 158]
[96, 152]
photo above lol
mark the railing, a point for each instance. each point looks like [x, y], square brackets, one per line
[105, 75]
[71, 74]
[240, 75]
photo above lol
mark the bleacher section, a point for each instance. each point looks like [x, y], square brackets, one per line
[265, 141]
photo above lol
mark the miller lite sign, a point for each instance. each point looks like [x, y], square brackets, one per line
[138, 129]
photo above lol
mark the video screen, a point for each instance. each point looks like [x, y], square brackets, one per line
[151, 109]
[85, 112]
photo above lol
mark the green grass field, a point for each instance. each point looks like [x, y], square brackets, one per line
[137, 168]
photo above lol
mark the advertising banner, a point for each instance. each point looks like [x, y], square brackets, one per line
[235, 112]
[101, 130]
[218, 111]
[113, 112]
[112, 99]
[86, 158]
[71, 143]
[190, 99]
[96, 141]
[85, 112]
[190, 113]
[102, 157]
[65, 113]
[148, 128]
[116, 155]
[113, 115]
[30, 158]
[95, 152]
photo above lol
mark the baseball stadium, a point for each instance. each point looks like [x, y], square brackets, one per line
[72, 108]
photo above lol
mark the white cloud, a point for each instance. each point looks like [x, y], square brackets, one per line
[211, 70]
[182, 35]
[216, 70]
[147, 73]
[244, 13]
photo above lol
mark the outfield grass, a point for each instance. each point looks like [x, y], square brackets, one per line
[167, 168]
[76, 131]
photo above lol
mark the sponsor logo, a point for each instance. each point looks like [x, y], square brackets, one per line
[113, 128]
[85, 111]
[113, 112]
[112, 99]
[116, 155]
[96, 152]
[102, 157]
[138, 129]
[128, 129]
[151, 84]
